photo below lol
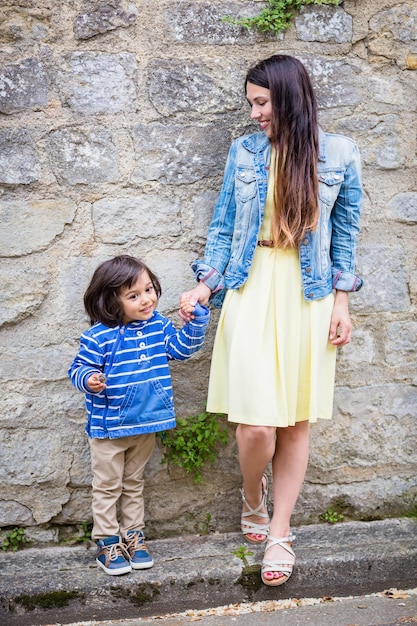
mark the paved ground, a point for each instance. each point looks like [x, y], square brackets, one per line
[64, 586]
[393, 608]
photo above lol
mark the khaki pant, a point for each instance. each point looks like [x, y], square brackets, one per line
[118, 466]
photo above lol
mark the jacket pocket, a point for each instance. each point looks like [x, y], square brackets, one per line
[144, 402]
[245, 183]
[329, 185]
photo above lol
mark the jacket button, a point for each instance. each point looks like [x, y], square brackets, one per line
[308, 270]
[305, 242]
[310, 295]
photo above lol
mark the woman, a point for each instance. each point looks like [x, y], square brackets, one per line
[281, 252]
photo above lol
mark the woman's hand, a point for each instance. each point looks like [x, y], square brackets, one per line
[340, 323]
[200, 293]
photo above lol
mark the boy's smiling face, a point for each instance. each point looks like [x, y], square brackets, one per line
[139, 300]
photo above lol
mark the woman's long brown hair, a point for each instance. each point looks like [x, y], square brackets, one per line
[294, 131]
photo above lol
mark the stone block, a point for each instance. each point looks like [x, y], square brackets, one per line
[203, 207]
[373, 430]
[403, 207]
[106, 17]
[146, 216]
[37, 222]
[385, 271]
[93, 82]
[21, 297]
[324, 24]
[400, 346]
[13, 513]
[176, 85]
[179, 154]
[202, 23]
[19, 163]
[23, 85]
[379, 139]
[83, 155]
[330, 79]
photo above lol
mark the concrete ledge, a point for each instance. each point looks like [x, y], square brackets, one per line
[49, 585]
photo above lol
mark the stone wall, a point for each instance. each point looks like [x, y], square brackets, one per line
[115, 121]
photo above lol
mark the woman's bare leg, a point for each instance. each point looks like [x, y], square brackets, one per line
[256, 446]
[289, 465]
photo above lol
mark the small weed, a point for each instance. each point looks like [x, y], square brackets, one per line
[86, 529]
[14, 539]
[206, 526]
[276, 16]
[242, 553]
[331, 516]
[193, 443]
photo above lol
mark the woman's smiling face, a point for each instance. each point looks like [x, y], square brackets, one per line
[259, 99]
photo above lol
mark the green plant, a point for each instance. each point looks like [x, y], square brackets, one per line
[14, 539]
[193, 443]
[331, 516]
[276, 16]
[206, 526]
[86, 529]
[242, 553]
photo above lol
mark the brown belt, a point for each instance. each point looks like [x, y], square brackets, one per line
[266, 243]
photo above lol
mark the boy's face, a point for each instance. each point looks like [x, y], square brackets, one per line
[138, 301]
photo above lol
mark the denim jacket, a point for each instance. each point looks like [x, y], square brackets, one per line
[327, 254]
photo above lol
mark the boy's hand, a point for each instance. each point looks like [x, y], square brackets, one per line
[200, 293]
[96, 382]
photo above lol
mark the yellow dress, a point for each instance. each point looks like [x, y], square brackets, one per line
[272, 363]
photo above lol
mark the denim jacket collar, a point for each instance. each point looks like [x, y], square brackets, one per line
[258, 142]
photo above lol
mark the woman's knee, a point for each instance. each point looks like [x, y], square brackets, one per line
[247, 435]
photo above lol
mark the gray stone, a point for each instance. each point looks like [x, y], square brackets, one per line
[21, 297]
[83, 155]
[203, 207]
[401, 345]
[399, 22]
[34, 459]
[14, 513]
[108, 16]
[324, 24]
[177, 153]
[379, 140]
[385, 268]
[93, 82]
[175, 85]
[144, 216]
[37, 222]
[330, 79]
[203, 23]
[403, 207]
[373, 429]
[18, 157]
[23, 85]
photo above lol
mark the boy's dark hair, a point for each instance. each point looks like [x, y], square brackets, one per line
[101, 299]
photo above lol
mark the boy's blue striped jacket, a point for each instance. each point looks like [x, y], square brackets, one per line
[138, 396]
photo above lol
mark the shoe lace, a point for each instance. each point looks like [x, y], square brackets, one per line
[115, 550]
[134, 542]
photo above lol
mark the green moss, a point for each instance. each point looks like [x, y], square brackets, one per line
[141, 595]
[144, 594]
[250, 578]
[54, 599]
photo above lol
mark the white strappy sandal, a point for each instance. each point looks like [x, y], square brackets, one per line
[252, 528]
[283, 566]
